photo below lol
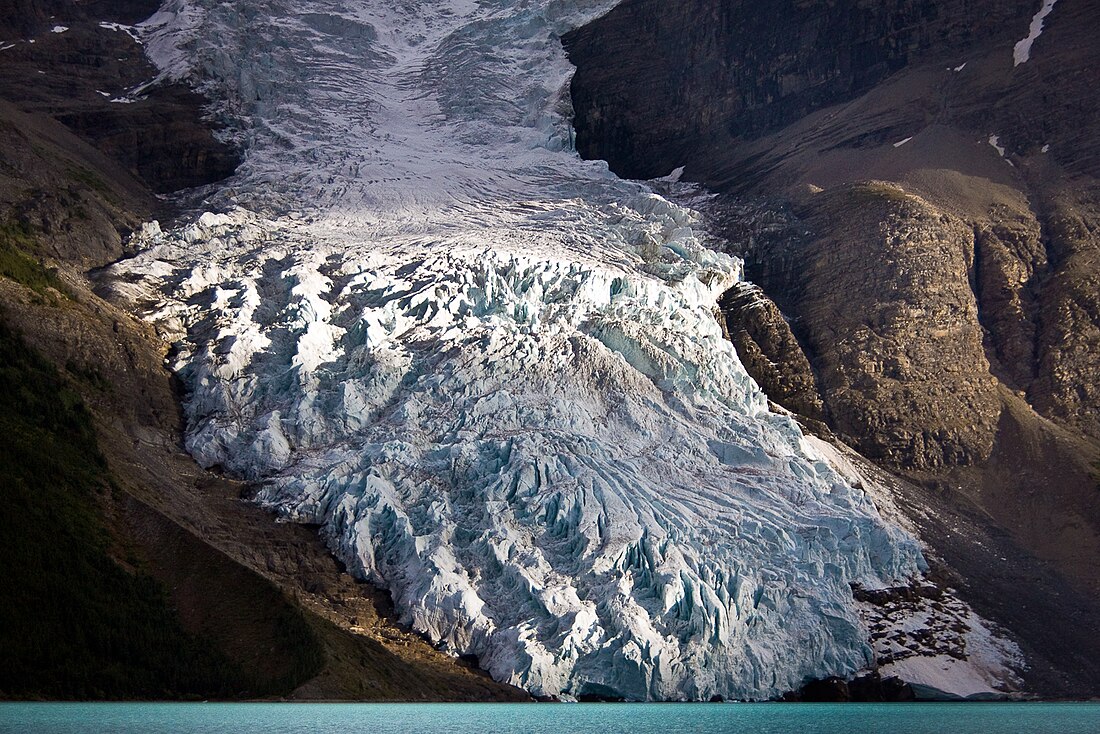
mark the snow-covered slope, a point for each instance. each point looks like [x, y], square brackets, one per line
[489, 369]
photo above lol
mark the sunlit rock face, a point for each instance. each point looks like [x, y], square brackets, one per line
[492, 371]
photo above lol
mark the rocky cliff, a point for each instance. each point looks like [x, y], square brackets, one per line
[79, 64]
[734, 71]
[912, 185]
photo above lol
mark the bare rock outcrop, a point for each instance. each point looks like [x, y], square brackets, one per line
[732, 71]
[1067, 386]
[878, 280]
[1010, 259]
[768, 349]
[97, 82]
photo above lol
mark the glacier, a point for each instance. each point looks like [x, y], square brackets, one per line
[489, 370]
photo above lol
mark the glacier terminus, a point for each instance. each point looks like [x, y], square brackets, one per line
[489, 369]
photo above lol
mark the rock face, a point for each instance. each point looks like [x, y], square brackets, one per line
[97, 81]
[918, 197]
[1009, 259]
[728, 71]
[864, 689]
[1067, 382]
[903, 374]
[54, 184]
[769, 350]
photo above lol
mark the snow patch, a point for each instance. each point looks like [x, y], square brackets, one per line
[59, 29]
[960, 67]
[925, 635]
[1021, 52]
[129, 30]
[985, 664]
[673, 177]
[902, 142]
[995, 141]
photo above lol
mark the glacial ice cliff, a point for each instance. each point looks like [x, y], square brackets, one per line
[490, 370]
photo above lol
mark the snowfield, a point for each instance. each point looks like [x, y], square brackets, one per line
[490, 370]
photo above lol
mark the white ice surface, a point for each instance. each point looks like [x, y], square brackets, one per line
[673, 177]
[1021, 52]
[489, 369]
[127, 29]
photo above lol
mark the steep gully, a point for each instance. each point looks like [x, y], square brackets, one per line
[919, 209]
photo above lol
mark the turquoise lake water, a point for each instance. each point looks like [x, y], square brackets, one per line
[275, 718]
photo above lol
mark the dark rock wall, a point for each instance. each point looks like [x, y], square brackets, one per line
[55, 185]
[28, 18]
[161, 136]
[769, 350]
[1010, 260]
[878, 281]
[1067, 345]
[661, 82]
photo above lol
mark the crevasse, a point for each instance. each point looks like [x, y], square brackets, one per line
[491, 370]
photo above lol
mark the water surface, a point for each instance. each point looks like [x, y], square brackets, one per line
[275, 718]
